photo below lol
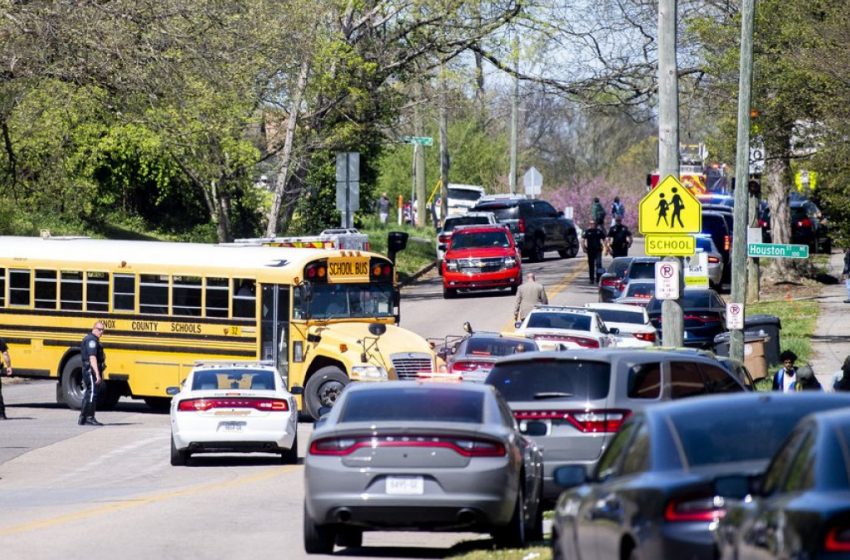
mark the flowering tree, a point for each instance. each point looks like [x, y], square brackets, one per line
[579, 194]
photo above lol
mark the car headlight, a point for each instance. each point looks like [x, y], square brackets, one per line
[451, 265]
[368, 372]
[510, 262]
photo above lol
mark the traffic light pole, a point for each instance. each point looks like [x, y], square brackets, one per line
[742, 170]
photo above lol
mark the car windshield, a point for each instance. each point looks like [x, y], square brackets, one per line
[743, 433]
[415, 404]
[619, 316]
[332, 301]
[468, 195]
[551, 320]
[496, 347]
[480, 239]
[454, 222]
[233, 379]
[542, 379]
[641, 289]
[642, 270]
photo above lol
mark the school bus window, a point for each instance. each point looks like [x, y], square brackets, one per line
[19, 287]
[186, 295]
[244, 298]
[2, 287]
[217, 296]
[124, 292]
[153, 294]
[71, 290]
[45, 289]
[97, 291]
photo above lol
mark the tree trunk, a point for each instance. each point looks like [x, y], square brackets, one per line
[286, 155]
[777, 182]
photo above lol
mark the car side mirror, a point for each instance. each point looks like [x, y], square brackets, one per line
[518, 324]
[297, 390]
[172, 391]
[570, 476]
[441, 246]
[467, 327]
[614, 330]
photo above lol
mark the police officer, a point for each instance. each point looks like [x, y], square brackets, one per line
[591, 242]
[619, 238]
[94, 362]
[5, 368]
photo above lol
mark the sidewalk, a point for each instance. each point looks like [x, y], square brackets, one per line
[831, 339]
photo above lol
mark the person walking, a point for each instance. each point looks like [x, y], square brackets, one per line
[841, 378]
[617, 210]
[785, 379]
[846, 273]
[592, 241]
[597, 211]
[7, 370]
[529, 294]
[383, 208]
[94, 362]
[619, 238]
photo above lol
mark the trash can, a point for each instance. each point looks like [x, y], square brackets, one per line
[754, 351]
[766, 325]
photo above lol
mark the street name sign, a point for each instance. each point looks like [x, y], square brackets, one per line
[421, 140]
[778, 251]
[667, 280]
[669, 245]
[669, 208]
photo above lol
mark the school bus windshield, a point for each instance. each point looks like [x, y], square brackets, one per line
[336, 301]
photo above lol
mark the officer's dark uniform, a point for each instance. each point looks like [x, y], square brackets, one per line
[593, 239]
[90, 347]
[3, 348]
[619, 235]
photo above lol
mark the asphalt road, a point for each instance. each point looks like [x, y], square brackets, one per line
[69, 491]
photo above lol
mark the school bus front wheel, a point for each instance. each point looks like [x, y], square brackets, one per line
[323, 389]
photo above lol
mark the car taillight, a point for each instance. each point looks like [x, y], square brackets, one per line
[460, 367]
[703, 318]
[587, 421]
[521, 225]
[613, 282]
[713, 260]
[201, 405]
[444, 238]
[647, 336]
[709, 508]
[727, 242]
[805, 222]
[467, 447]
[837, 540]
[581, 341]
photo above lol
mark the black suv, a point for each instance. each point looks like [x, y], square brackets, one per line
[536, 225]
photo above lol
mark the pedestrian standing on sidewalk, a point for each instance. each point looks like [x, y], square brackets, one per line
[6, 370]
[94, 362]
[786, 376]
[806, 380]
[846, 273]
[841, 378]
[529, 294]
[592, 241]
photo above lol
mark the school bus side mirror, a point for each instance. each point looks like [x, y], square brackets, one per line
[305, 291]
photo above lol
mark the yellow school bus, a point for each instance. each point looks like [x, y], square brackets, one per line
[324, 317]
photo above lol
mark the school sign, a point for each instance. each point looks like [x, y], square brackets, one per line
[666, 215]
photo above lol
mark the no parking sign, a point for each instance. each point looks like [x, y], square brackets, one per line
[667, 280]
[734, 316]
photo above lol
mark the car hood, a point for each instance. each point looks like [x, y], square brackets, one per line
[379, 350]
[479, 253]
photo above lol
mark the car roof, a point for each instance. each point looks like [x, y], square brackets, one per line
[639, 281]
[474, 228]
[400, 385]
[471, 215]
[710, 405]
[645, 259]
[615, 307]
[229, 365]
[637, 355]
[562, 309]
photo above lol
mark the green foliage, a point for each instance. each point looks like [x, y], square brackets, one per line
[798, 319]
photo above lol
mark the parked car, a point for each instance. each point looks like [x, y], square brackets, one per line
[739, 370]
[653, 492]
[572, 403]
[420, 456]
[632, 322]
[481, 258]
[808, 226]
[637, 292]
[716, 199]
[705, 316]
[536, 225]
[800, 506]
[611, 283]
[461, 198]
[705, 244]
[556, 327]
[472, 356]
[641, 268]
[719, 226]
[233, 407]
[449, 225]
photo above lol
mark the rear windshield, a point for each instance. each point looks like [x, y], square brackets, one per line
[798, 213]
[452, 223]
[480, 239]
[233, 379]
[464, 194]
[414, 404]
[544, 320]
[742, 433]
[501, 212]
[619, 266]
[690, 299]
[497, 347]
[714, 223]
[641, 290]
[704, 244]
[642, 270]
[548, 380]
[617, 316]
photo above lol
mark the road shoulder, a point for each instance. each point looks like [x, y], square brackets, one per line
[831, 339]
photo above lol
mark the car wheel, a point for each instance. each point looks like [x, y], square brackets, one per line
[158, 404]
[449, 293]
[180, 457]
[318, 539]
[290, 456]
[537, 250]
[513, 535]
[557, 553]
[72, 383]
[572, 247]
[514, 290]
[440, 268]
[349, 537]
[535, 527]
[324, 388]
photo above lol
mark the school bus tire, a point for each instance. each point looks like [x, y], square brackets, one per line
[323, 389]
[72, 383]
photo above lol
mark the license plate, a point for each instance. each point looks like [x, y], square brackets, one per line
[231, 426]
[405, 485]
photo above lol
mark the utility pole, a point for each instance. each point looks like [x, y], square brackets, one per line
[753, 280]
[514, 118]
[742, 170]
[672, 317]
[419, 162]
[444, 147]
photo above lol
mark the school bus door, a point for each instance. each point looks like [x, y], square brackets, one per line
[274, 328]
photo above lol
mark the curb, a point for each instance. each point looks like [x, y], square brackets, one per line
[418, 274]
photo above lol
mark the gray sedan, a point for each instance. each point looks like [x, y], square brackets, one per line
[428, 456]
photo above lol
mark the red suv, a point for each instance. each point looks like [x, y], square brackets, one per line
[481, 257]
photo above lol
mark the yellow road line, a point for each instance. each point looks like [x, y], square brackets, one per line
[562, 284]
[141, 501]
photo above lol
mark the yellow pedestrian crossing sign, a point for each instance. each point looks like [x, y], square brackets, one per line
[669, 208]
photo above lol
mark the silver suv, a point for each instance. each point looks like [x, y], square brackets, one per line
[571, 403]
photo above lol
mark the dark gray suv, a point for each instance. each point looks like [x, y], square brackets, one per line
[572, 403]
[536, 226]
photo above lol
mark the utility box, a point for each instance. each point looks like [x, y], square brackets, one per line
[766, 325]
